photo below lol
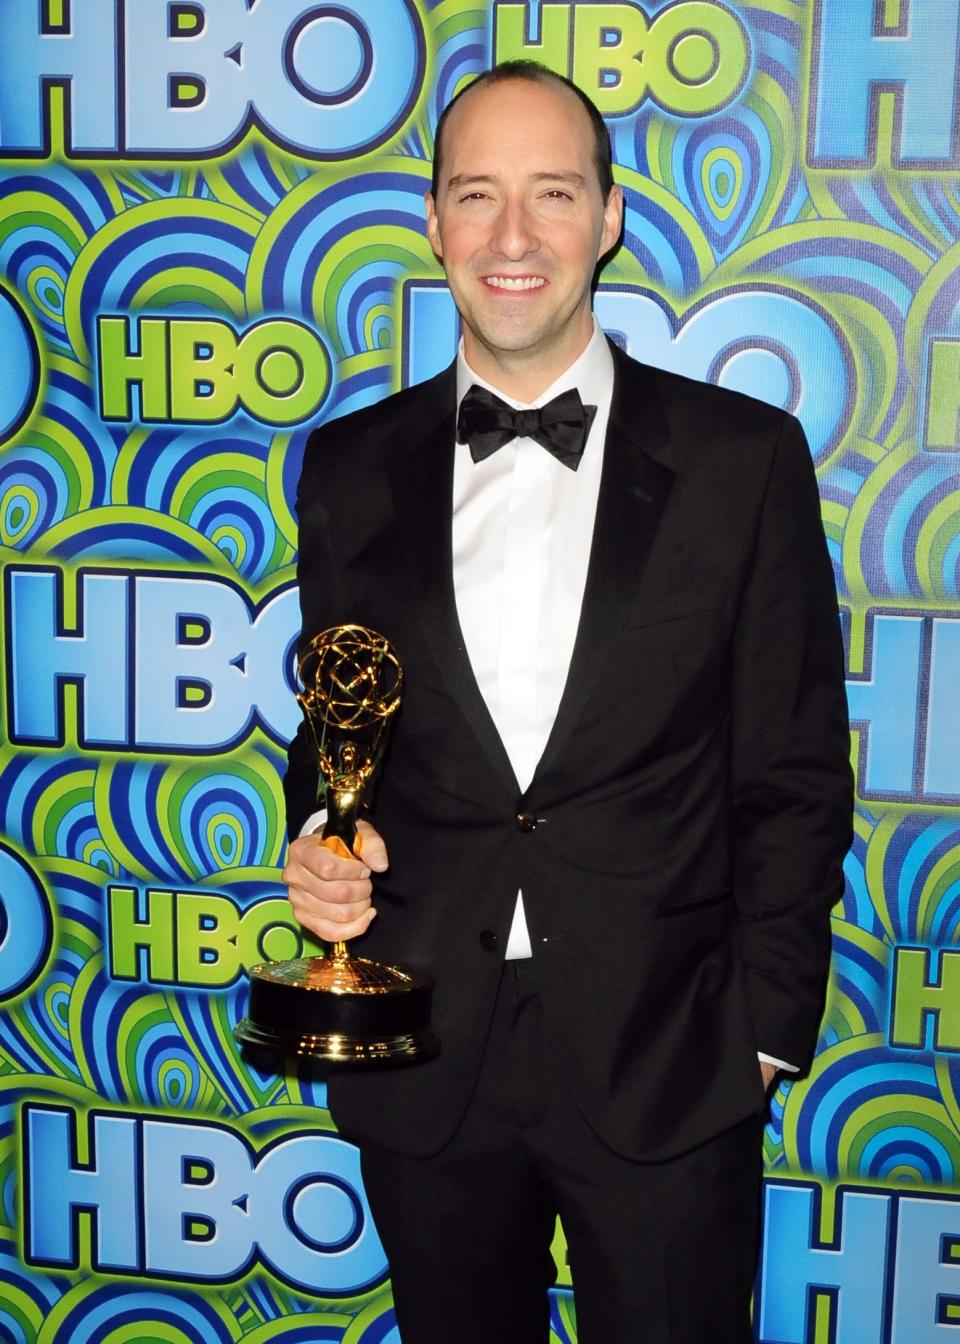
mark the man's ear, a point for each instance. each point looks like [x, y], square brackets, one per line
[433, 223]
[612, 222]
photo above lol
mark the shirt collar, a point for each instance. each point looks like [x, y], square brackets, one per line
[591, 373]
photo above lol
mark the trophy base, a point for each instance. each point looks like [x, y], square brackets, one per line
[335, 1049]
[340, 1010]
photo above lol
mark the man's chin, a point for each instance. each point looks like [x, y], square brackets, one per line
[514, 338]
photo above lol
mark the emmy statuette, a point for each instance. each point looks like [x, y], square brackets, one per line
[341, 1008]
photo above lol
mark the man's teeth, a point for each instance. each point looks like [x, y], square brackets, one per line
[515, 282]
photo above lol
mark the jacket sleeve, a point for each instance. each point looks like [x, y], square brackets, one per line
[318, 579]
[792, 796]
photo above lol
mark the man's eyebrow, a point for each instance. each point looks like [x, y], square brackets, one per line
[469, 179]
[560, 175]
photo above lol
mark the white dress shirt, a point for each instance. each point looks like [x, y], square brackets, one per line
[522, 530]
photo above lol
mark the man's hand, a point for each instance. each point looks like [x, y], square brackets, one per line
[331, 895]
[769, 1072]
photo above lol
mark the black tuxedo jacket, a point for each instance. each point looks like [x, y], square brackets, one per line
[693, 802]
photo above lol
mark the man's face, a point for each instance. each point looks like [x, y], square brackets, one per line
[519, 224]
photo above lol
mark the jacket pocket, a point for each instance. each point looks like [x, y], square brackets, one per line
[698, 903]
[656, 609]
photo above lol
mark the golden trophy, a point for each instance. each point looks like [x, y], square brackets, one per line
[341, 1008]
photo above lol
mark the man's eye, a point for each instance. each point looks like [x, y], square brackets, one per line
[556, 194]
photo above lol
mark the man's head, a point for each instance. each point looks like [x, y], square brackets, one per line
[522, 209]
[535, 74]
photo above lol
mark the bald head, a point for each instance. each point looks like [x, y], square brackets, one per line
[531, 72]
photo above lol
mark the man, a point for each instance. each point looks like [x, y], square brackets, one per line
[616, 798]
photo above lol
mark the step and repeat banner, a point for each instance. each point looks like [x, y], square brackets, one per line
[211, 239]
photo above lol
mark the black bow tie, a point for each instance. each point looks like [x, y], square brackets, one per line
[561, 426]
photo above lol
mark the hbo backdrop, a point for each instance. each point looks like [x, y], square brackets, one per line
[211, 239]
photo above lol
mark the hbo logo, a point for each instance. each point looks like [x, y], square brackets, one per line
[199, 371]
[691, 58]
[175, 1199]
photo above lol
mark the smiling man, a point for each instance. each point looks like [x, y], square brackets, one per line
[519, 218]
[617, 796]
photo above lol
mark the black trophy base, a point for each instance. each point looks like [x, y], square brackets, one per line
[339, 1010]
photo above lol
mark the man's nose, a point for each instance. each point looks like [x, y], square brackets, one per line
[515, 232]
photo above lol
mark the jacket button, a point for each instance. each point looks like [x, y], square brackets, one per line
[526, 821]
[489, 940]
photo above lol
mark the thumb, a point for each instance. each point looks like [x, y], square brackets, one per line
[372, 849]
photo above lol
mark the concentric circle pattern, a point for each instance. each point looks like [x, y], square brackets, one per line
[174, 324]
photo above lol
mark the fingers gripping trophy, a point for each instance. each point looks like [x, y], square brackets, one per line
[341, 1008]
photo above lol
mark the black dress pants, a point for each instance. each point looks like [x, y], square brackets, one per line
[660, 1253]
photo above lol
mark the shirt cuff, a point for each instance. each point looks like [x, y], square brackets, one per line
[769, 1059]
[314, 822]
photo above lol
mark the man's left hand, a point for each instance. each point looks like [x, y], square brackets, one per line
[769, 1072]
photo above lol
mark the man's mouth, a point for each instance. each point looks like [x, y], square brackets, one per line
[515, 283]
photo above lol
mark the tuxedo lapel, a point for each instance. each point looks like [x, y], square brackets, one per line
[634, 487]
[633, 491]
[422, 483]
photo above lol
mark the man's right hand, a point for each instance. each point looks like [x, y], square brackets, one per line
[331, 895]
